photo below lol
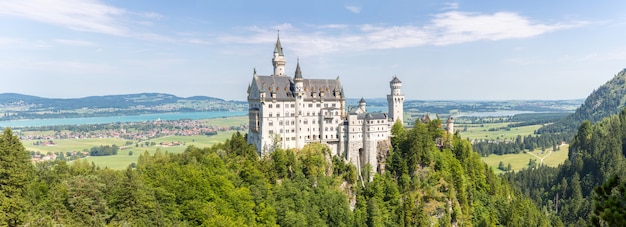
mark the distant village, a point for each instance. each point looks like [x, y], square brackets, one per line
[136, 132]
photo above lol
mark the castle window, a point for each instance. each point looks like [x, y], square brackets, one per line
[277, 114]
[292, 105]
[270, 123]
[277, 105]
[325, 104]
[318, 105]
[271, 114]
[310, 104]
[281, 130]
[334, 104]
[280, 123]
[293, 122]
[269, 106]
[271, 132]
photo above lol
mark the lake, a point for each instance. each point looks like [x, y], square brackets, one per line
[501, 113]
[113, 119]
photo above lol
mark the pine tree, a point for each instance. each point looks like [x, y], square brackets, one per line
[15, 174]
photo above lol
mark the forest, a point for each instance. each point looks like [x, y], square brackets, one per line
[229, 185]
[587, 186]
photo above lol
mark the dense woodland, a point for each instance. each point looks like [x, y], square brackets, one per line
[590, 185]
[229, 185]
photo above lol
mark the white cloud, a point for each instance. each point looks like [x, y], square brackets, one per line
[447, 28]
[354, 9]
[450, 6]
[459, 27]
[14, 43]
[80, 15]
[90, 16]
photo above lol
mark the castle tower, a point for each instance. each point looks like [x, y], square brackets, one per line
[299, 93]
[395, 100]
[279, 59]
[362, 105]
[450, 125]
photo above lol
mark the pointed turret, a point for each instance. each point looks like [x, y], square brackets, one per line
[278, 49]
[362, 105]
[279, 59]
[298, 75]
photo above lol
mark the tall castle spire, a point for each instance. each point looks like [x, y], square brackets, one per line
[298, 75]
[278, 49]
[279, 59]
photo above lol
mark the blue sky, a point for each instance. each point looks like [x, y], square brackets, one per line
[456, 50]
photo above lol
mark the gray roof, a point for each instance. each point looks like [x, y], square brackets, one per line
[395, 80]
[284, 88]
[372, 116]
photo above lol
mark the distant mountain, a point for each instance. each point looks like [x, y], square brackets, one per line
[18, 106]
[608, 99]
[108, 101]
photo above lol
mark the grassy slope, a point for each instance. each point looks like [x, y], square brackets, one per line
[517, 161]
[484, 133]
[520, 161]
[122, 159]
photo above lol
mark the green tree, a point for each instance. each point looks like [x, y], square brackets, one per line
[16, 171]
[609, 203]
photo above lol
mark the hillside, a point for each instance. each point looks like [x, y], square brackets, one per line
[595, 156]
[608, 99]
[17, 106]
[228, 185]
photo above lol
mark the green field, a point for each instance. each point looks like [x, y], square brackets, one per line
[517, 161]
[122, 159]
[476, 131]
[227, 121]
[520, 161]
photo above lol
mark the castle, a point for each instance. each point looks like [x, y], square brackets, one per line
[290, 112]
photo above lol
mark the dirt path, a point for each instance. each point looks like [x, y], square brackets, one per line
[540, 158]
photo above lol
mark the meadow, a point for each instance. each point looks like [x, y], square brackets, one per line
[497, 131]
[123, 159]
[520, 161]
